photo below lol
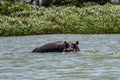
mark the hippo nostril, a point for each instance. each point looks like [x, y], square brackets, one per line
[69, 50]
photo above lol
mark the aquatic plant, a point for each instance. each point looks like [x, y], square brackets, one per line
[32, 20]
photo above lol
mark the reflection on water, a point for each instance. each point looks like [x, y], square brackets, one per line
[99, 58]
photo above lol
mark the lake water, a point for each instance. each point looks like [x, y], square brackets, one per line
[99, 58]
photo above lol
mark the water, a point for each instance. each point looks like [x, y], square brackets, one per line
[99, 58]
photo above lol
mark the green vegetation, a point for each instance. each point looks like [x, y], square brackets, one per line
[18, 19]
[79, 3]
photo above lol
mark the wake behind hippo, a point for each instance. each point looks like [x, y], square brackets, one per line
[59, 46]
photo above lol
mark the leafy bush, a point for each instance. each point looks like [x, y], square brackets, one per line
[80, 3]
[48, 3]
[8, 8]
[31, 20]
[66, 2]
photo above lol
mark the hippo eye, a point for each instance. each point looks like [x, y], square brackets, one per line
[74, 45]
[66, 45]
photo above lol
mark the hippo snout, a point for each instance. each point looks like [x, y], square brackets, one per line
[68, 50]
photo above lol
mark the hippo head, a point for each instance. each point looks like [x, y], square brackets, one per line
[71, 47]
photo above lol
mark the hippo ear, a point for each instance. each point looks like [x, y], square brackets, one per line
[77, 42]
[65, 42]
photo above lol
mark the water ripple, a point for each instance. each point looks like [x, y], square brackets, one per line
[98, 60]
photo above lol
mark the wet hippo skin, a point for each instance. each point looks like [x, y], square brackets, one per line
[59, 46]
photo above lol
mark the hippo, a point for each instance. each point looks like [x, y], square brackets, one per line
[59, 46]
